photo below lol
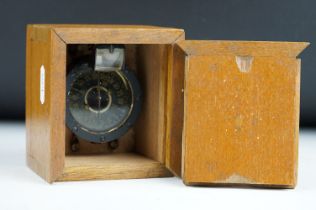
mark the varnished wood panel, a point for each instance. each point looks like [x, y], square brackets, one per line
[44, 122]
[241, 117]
[150, 127]
[57, 96]
[37, 114]
[175, 112]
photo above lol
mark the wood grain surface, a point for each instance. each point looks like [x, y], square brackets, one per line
[241, 113]
[113, 166]
[175, 112]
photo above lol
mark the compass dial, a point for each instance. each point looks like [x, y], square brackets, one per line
[100, 103]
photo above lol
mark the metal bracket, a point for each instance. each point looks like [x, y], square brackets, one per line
[109, 58]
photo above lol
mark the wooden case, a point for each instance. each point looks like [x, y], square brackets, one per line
[214, 112]
[142, 152]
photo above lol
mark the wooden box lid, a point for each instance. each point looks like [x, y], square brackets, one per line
[234, 112]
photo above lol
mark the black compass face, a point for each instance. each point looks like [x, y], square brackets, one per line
[101, 105]
[98, 99]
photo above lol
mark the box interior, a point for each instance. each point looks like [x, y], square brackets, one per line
[141, 151]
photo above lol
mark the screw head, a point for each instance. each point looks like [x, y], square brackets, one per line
[113, 144]
[75, 146]
[102, 139]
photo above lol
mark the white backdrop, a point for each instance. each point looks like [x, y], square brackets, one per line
[20, 188]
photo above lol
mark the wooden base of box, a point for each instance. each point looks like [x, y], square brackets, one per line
[113, 166]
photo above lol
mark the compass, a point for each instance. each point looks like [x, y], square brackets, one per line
[103, 101]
